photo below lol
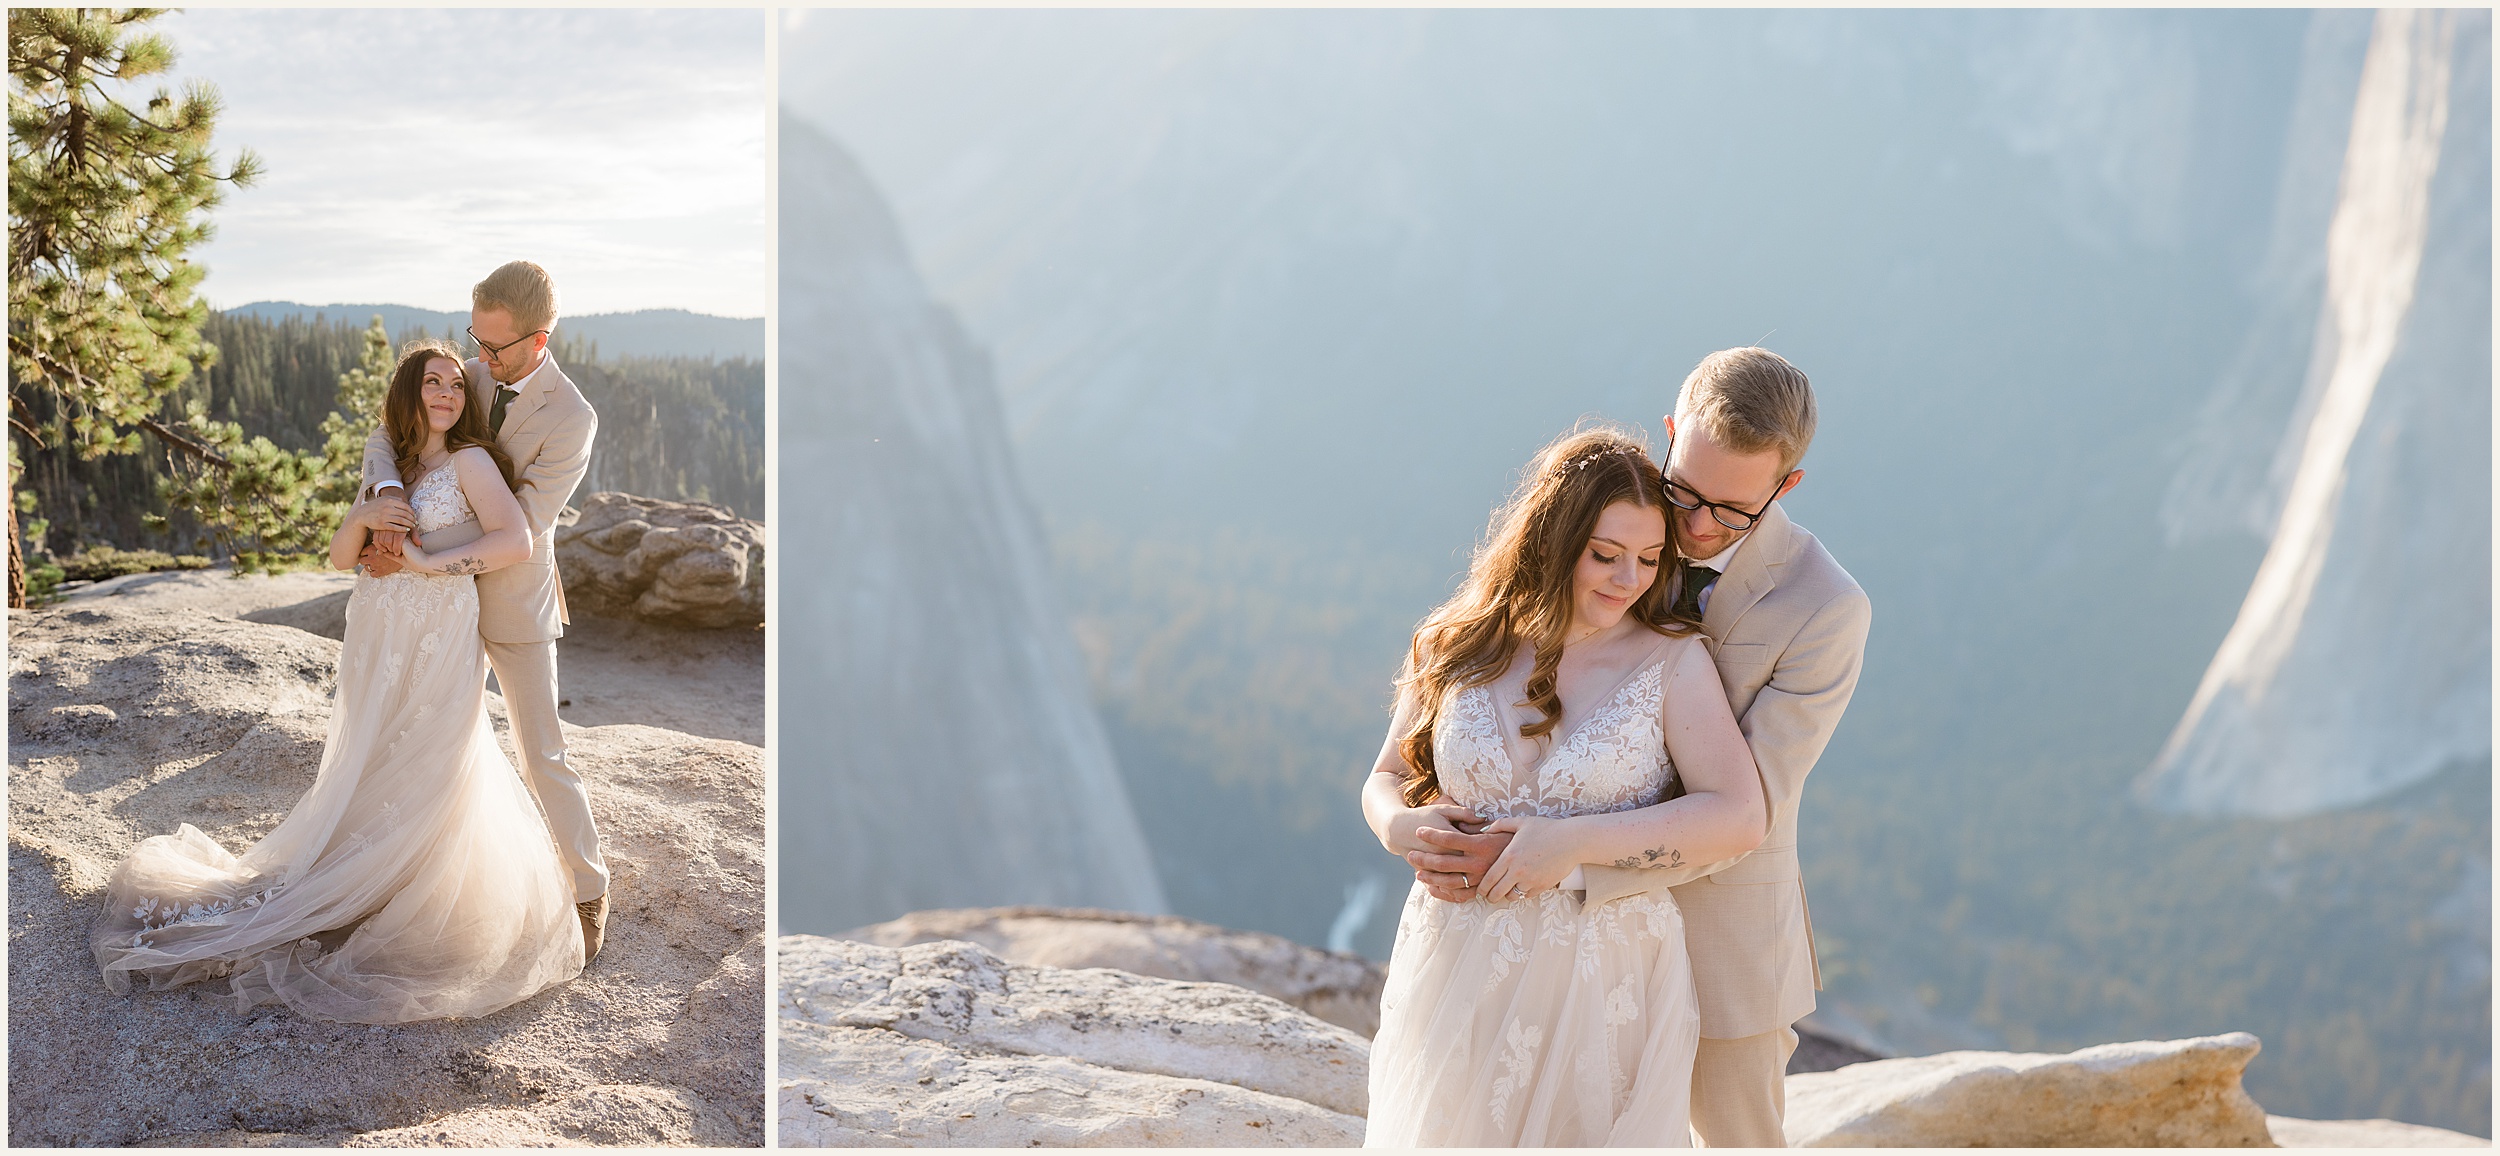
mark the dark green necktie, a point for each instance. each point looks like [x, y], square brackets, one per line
[503, 397]
[1696, 580]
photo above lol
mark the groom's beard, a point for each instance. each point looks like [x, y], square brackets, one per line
[528, 366]
[1692, 551]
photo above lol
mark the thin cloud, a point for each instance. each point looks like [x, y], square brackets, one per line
[409, 151]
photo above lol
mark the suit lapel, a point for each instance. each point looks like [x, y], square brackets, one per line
[541, 384]
[1750, 575]
[481, 385]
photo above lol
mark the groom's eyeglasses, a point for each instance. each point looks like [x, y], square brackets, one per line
[495, 352]
[1732, 517]
[1683, 498]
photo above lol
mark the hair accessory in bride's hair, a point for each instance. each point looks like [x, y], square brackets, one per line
[1577, 464]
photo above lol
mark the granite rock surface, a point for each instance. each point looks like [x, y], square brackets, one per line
[2161, 1093]
[946, 1044]
[128, 717]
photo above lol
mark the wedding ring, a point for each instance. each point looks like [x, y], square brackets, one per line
[1463, 884]
[1517, 891]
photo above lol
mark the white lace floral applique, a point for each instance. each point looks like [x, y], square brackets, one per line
[1510, 944]
[1555, 918]
[1614, 760]
[438, 500]
[1519, 1047]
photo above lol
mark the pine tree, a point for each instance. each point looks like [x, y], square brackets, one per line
[269, 505]
[105, 201]
[343, 433]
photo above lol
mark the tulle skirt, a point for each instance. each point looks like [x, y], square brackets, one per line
[1535, 1023]
[416, 880]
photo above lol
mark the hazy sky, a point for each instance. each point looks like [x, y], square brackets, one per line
[407, 152]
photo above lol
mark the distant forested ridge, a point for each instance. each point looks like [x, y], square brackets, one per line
[683, 428]
[677, 427]
[641, 333]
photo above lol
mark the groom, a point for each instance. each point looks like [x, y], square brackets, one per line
[544, 424]
[1789, 628]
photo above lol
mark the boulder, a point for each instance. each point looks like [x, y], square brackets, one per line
[2166, 1093]
[947, 1044]
[125, 721]
[689, 564]
[1340, 988]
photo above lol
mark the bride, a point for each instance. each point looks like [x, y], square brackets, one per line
[416, 880]
[1556, 697]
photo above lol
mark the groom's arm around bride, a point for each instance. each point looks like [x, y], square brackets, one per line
[550, 450]
[1788, 627]
[542, 422]
[1787, 624]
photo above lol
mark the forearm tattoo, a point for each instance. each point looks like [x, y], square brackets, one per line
[464, 566]
[1666, 857]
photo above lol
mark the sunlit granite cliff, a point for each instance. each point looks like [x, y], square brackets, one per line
[937, 747]
[2360, 661]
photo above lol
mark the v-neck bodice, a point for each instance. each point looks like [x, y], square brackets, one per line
[439, 501]
[1615, 759]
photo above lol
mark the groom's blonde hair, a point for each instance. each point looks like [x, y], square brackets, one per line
[1750, 400]
[521, 289]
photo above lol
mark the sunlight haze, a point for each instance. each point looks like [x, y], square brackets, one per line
[409, 151]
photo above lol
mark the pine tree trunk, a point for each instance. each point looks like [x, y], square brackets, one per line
[17, 561]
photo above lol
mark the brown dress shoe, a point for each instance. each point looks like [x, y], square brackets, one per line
[594, 913]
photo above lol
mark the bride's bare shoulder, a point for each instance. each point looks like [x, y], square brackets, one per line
[1685, 654]
[478, 473]
[1667, 647]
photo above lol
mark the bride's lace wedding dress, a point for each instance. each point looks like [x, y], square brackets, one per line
[1534, 1022]
[416, 880]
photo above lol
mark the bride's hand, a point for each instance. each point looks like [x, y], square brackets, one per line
[1400, 837]
[1541, 854]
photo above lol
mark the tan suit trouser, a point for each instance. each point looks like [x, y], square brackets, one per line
[526, 673]
[1740, 1090]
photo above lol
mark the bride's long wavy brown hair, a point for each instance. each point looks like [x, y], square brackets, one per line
[403, 414]
[1519, 587]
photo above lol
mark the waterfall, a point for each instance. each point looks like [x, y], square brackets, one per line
[1360, 897]
[2339, 680]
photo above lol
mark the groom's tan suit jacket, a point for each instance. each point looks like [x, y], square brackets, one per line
[547, 430]
[1790, 632]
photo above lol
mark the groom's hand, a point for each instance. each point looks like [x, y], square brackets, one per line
[1453, 872]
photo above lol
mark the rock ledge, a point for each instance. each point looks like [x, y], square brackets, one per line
[1339, 988]
[946, 1044]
